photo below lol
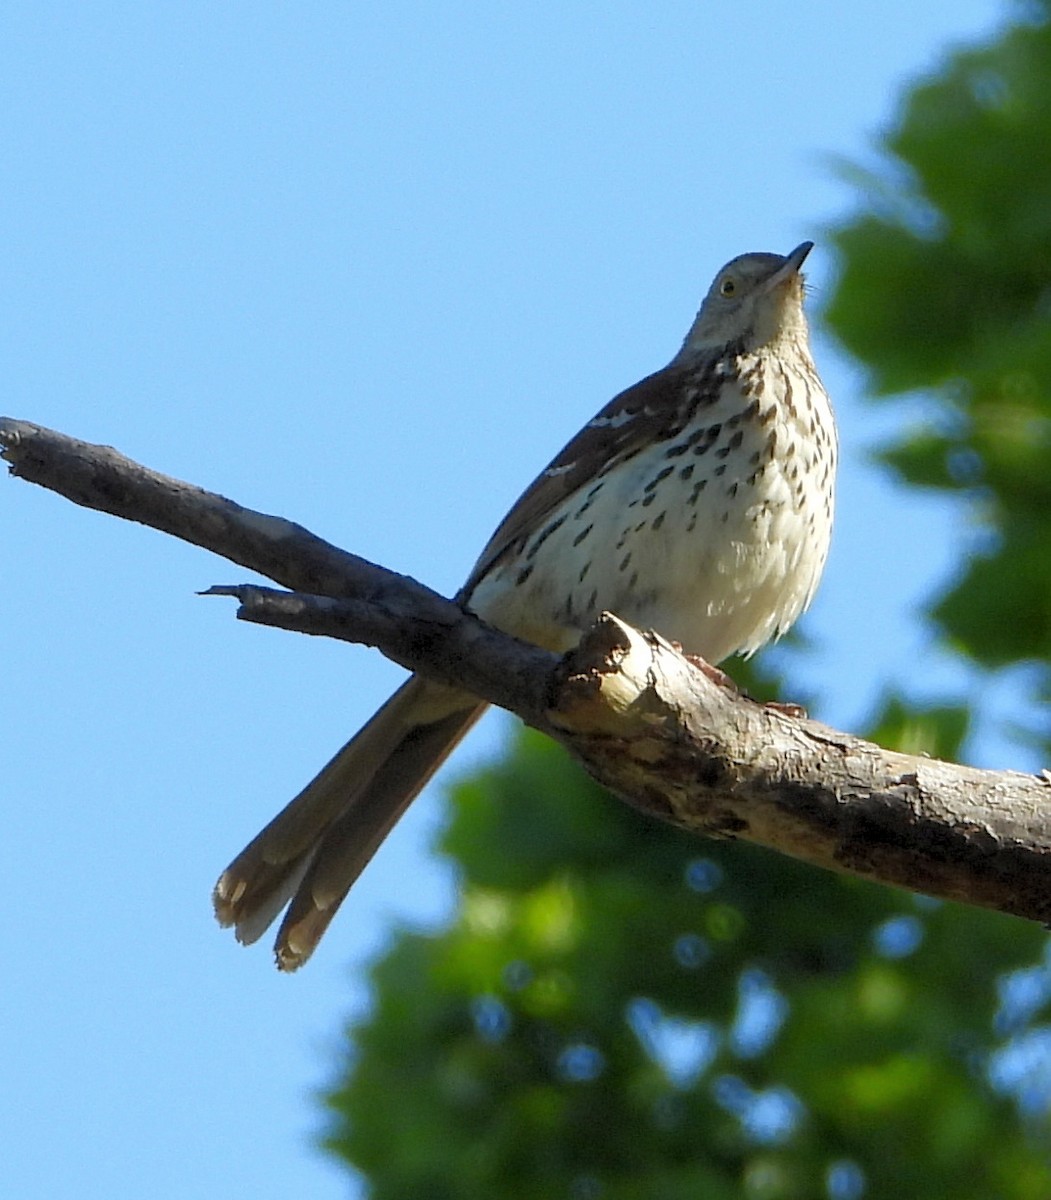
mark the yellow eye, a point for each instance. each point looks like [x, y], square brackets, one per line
[727, 288]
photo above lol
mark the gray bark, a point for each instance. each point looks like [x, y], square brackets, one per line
[650, 725]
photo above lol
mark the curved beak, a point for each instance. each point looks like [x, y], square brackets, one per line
[789, 269]
[794, 260]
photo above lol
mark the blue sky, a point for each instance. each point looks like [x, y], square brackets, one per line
[367, 267]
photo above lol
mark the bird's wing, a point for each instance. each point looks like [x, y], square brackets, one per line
[654, 408]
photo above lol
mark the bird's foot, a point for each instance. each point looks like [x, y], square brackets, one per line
[720, 677]
[705, 667]
[716, 675]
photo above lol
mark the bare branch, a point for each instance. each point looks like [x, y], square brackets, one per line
[439, 639]
[101, 478]
[644, 721]
[658, 732]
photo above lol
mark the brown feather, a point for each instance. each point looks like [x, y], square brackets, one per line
[344, 851]
[651, 409]
[301, 840]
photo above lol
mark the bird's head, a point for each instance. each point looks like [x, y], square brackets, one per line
[755, 300]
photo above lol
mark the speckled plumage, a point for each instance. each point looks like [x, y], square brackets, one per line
[715, 536]
[698, 502]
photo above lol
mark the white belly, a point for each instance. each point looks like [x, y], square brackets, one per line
[718, 546]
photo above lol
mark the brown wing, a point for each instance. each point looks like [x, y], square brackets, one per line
[650, 409]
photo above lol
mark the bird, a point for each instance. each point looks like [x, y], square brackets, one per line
[698, 503]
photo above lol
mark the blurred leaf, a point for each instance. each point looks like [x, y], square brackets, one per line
[913, 728]
[999, 611]
[945, 288]
[542, 1045]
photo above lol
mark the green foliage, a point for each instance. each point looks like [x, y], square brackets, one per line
[948, 291]
[621, 1011]
[618, 1011]
[935, 729]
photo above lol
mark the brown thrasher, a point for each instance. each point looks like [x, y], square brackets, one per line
[698, 503]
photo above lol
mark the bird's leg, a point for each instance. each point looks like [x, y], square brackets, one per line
[720, 677]
[787, 708]
[715, 674]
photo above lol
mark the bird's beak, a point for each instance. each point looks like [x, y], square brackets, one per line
[795, 260]
[790, 268]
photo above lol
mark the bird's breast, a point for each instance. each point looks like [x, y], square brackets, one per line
[715, 536]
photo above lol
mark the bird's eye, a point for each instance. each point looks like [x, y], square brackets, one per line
[727, 288]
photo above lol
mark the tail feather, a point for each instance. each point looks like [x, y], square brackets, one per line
[352, 840]
[264, 903]
[315, 848]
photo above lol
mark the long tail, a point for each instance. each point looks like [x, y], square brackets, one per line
[315, 848]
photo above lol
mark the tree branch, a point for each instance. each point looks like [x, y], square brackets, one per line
[642, 719]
